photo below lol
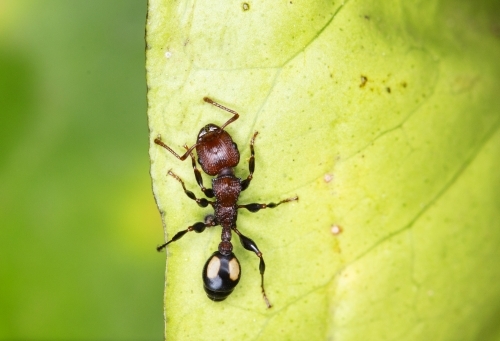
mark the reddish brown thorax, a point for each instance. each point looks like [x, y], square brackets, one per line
[227, 189]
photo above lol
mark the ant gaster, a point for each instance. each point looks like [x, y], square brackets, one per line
[217, 156]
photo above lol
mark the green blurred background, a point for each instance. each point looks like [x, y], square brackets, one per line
[78, 221]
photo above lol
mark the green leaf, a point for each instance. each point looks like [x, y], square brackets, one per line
[383, 118]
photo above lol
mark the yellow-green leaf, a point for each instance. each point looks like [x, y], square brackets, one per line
[383, 118]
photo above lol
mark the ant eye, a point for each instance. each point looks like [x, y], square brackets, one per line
[203, 132]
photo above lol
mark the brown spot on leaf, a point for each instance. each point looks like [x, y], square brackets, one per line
[364, 79]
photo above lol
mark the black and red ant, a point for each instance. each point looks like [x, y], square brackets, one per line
[217, 156]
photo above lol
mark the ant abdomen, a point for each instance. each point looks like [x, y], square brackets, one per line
[221, 274]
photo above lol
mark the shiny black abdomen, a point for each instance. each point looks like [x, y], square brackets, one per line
[220, 275]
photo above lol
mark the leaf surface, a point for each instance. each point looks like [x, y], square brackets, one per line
[383, 118]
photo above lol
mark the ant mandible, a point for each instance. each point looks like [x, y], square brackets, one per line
[217, 156]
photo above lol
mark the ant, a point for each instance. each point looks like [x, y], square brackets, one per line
[217, 156]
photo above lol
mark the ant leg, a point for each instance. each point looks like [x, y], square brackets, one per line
[198, 228]
[250, 245]
[197, 174]
[251, 164]
[159, 142]
[257, 207]
[231, 120]
[201, 202]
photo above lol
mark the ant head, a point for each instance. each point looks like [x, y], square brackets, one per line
[216, 150]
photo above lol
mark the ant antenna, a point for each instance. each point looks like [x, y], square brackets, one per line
[231, 120]
[159, 142]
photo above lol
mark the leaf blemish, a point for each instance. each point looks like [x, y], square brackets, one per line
[336, 230]
[246, 6]
[364, 79]
[328, 178]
